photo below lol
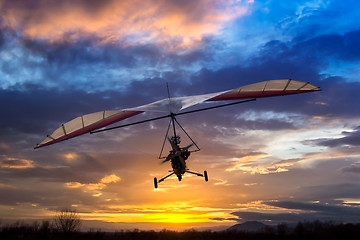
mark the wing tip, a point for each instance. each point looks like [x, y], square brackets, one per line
[40, 145]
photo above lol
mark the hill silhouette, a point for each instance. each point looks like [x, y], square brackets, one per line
[250, 226]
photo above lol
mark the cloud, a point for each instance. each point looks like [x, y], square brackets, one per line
[353, 168]
[84, 169]
[88, 65]
[263, 163]
[302, 211]
[8, 162]
[331, 192]
[96, 188]
[167, 23]
[2, 38]
[350, 139]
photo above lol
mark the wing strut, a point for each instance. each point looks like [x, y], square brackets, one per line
[172, 115]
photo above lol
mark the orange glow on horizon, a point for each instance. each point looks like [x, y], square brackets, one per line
[165, 217]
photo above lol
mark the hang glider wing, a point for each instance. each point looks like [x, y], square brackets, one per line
[90, 122]
[85, 124]
[269, 88]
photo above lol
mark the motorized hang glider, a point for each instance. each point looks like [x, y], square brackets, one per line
[93, 122]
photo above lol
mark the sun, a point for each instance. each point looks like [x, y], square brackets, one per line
[180, 217]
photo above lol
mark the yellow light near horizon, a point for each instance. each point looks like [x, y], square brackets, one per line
[177, 218]
[149, 217]
[113, 217]
[180, 217]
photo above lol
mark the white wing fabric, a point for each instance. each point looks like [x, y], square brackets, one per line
[94, 121]
[175, 104]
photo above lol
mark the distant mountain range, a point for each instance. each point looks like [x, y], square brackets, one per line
[251, 226]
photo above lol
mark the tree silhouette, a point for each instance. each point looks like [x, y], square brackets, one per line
[67, 220]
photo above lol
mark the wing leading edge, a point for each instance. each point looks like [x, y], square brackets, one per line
[85, 124]
[90, 122]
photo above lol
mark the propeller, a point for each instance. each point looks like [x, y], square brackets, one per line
[189, 146]
[171, 156]
[168, 158]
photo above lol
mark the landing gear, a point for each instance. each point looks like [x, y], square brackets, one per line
[206, 176]
[155, 183]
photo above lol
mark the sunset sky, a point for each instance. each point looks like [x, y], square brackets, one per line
[281, 159]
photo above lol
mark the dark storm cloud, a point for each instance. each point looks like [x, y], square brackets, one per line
[318, 51]
[353, 168]
[2, 38]
[332, 192]
[275, 218]
[90, 49]
[84, 51]
[350, 139]
[86, 63]
[317, 207]
[342, 47]
[12, 196]
[309, 212]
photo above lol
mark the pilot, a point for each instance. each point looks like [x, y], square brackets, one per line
[185, 154]
[175, 163]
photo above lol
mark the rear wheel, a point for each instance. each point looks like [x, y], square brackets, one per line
[155, 183]
[206, 176]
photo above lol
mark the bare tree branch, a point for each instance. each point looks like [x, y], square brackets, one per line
[67, 220]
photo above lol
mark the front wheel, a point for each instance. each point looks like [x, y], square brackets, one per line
[206, 176]
[155, 183]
